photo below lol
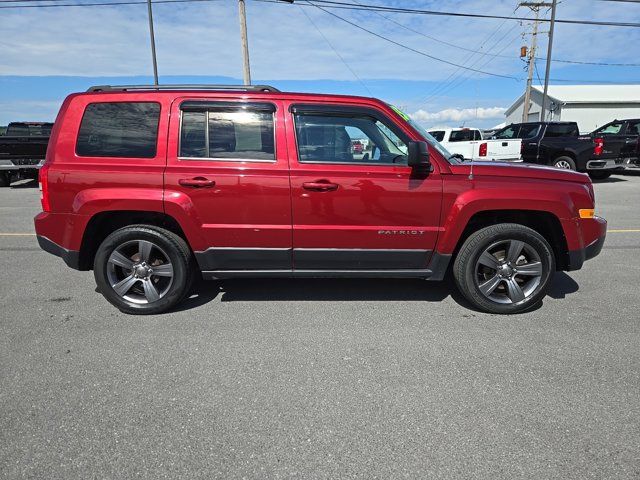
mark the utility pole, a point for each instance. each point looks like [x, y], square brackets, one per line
[531, 54]
[548, 69]
[153, 44]
[246, 70]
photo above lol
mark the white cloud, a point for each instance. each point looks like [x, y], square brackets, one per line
[458, 114]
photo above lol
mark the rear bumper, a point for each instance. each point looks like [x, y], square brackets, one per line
[70, 257]
[593, 233]
[22, 164]
[605, 164]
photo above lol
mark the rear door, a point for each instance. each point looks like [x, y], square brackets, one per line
[352, 214]
[631, 148]
[227, 168]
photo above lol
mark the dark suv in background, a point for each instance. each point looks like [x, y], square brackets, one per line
[560, 144]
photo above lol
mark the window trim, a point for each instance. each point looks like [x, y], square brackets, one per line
[231, 107]
[328, 110]
[84, 112]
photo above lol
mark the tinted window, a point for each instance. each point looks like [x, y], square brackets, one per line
[561, 130]
[236, 134]
[329, 139]
[633, 128]
[477, 135]
[461, 136]
[528, 131]
[126, 129]
[437, 134]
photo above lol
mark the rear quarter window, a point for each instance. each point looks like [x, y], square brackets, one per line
[119, 129]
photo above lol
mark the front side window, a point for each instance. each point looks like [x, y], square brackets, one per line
[330, 139]
[507, 133]
[528, 131]
[122, 129]
[227, 133]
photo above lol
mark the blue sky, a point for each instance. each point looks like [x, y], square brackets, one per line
[50, 52]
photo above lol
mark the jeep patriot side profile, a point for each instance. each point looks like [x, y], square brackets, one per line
[149, 186]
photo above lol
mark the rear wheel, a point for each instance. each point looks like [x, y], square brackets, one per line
[504, 268]
[564, 162]
[599, 175]
[143, 269]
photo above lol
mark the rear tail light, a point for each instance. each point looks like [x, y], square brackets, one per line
[597, 150]
[43, 183]
[483, 149]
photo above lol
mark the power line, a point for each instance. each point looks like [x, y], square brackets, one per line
[342, 5]
[407, 47]
[336, 51]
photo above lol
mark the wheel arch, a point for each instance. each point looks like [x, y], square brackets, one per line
[102, 224]
[545, 223]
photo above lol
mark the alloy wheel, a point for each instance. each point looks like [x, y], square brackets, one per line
[563, 164]
[140, 271]
[508, 271]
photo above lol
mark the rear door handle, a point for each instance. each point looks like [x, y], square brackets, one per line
[197, 182]
[505, 144]
[320, 186]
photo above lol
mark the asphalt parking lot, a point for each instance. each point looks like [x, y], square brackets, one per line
[320, 378]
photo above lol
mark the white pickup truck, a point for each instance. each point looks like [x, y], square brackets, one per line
[469, 143]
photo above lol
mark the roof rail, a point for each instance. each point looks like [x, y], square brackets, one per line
[242, 88]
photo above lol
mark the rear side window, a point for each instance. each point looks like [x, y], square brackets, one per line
[227, 132]
[561, 130]
[461, 136]
[437, 134]
[123, 129]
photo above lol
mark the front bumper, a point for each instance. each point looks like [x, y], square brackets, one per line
[593, 234]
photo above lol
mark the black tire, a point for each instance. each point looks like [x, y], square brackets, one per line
[467, 265]
[5, 179]
[565, 163]
[599, 174]
[167, 247]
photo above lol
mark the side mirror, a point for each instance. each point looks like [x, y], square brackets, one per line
[418, 156]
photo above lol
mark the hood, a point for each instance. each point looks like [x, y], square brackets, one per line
[520, 170]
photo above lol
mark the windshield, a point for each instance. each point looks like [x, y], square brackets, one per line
[425, 135]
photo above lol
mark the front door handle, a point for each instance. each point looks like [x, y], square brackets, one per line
[320, 186]
[197, 182]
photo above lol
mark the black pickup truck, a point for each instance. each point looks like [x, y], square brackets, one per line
[560, 144]
[22, 150]
[620, 141]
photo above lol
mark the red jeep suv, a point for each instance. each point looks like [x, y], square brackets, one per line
[149, 186]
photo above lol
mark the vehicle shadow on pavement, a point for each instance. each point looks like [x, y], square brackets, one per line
[562, 286]
[342, 289]
[610, 180]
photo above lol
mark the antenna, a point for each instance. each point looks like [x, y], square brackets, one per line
[471, 169]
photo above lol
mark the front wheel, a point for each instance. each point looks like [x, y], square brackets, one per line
[143, 269]
[599, 175]
[504, 268]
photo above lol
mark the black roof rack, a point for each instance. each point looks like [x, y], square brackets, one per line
[241, 88]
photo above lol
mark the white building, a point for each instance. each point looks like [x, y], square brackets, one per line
[590, 105]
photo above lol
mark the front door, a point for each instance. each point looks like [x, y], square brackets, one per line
[358, 209]
[228, 176]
